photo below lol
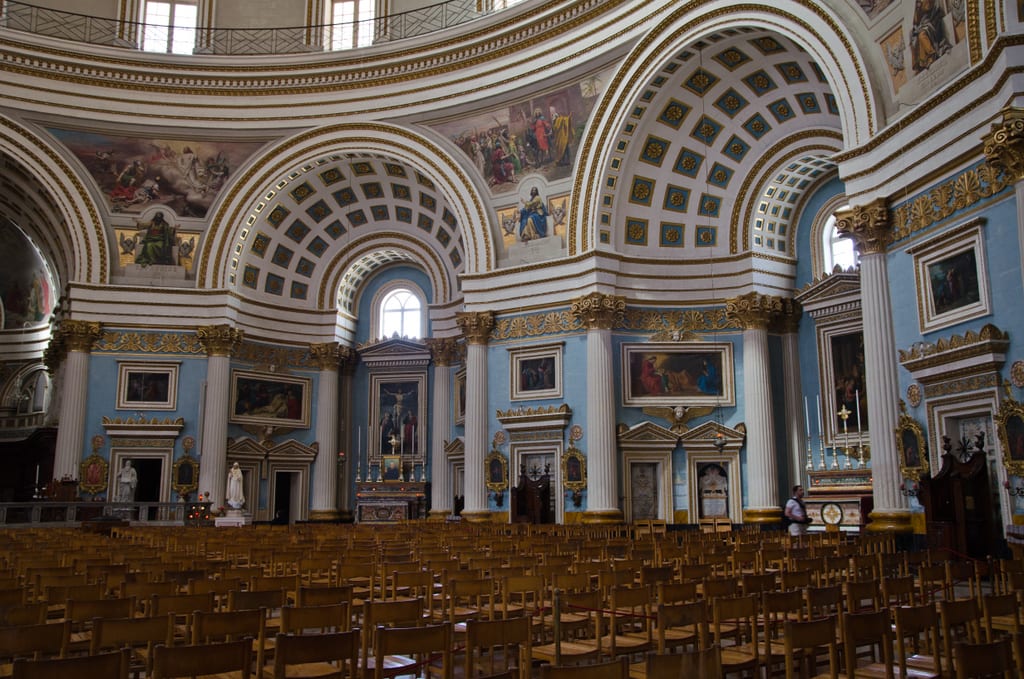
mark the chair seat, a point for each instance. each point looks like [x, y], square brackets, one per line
[571, 650]
[313, 670]
[737, 657]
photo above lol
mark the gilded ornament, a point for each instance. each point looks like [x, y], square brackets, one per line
[754, 310]
[476, 326]
[79, 335]
[325, 355]
[914, 395]
[444, 350]
[219, 340]
[598, 311]
[868, 225]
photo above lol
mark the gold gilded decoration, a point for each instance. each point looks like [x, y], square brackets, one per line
[1009, 421]
[754, 310]
[444, 350]
[961, 386]
[79, 335]
[910, 446]
[1004, 145]
[152, 343]
[325, 355]
[476, 326]
[678, 416]
[892, 521]
[92, 474]
[530, 411]
[787, 321]
[274, 358]
[574, 471]
[1017, 374]
[677, 321]
[533, 325]
[219, 340]
[868, 226]
[960, 192]
[914, 395]
[989, 339]
[598, 311]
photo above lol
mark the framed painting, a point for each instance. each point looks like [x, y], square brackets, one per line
[497, 471]
[397, 409]
[574, 469]
[185, 475]
[951, 277]
[263, 398]
[843, 385]
[147, 386]
[92, 474]
[678, 373]
[391, 468]
[460, 396]
[1009, 420]
[911, 448]
[536, 372]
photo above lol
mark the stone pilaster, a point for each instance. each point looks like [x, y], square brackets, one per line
[600, 313]
[74, 340]
[347, 361]
[476, 328]
[755, 312]
[325, 473]
[871, 230]
[1004, 152]
[445, 351]
[220, 341]
[788, 324]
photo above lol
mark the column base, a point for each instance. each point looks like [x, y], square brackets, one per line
[324, 515]
[478, 516]
[890, 521]
[439, 514]
[346, 516]
[762, 515]
[602, 516]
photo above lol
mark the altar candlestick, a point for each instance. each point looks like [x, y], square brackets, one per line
[860, 427]
[821, 433]
[37, 476]
[807, 420]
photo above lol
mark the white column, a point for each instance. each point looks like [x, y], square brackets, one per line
[444, 351]
[755, 311]
[77, 337]
[881, 382]
[476, 326]
[220, 341]
[796, 423]
[325, 472]
[600, 313]
[869, 227]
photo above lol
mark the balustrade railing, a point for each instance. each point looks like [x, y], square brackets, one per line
[21, 16]
[56, 513]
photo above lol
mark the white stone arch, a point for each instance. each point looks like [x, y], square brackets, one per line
[811, 26]
[464, 199]
[77, 245]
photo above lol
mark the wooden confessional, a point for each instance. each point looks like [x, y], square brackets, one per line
[531, 498]
[958, 504]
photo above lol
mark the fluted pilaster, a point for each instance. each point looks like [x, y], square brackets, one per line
[220, 341]
[788, 324]
[325, 472]
[600, 313]
[476, 328]
[74, 339]
[872, 232]
[445, 351]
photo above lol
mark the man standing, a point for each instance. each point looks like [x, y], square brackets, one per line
[796, 512]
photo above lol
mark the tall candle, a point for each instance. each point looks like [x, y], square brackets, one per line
[359, 443]
[37, 475]
[807, 420]
[821, 429]
[860, 428]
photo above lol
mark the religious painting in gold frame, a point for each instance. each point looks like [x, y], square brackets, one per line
[911, 447]
[1009, 421]
[497, 471]
[93, 474]
[185, 475]
[574, 469]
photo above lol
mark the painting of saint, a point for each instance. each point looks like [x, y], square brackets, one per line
[848, 371]
[954, 282]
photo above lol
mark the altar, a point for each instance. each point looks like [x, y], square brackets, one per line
[391, 501]
[839, 499]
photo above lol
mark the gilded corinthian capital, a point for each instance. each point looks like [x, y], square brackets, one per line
[444, 350]
[79, 335]
[476, 326]
[1004, 144]
[868, 225]
[754, 311]
[325, 355]
[219, 340]
[598, 311]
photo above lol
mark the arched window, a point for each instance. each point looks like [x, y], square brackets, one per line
[170, 26]
[836, 250]
[401, 313]
[352, 24]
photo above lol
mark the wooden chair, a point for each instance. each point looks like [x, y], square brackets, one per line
[137, 635]
[919, 624]
[221, 626]
[101, 666]
[1001, 613]
[505, 644]
[33, 642]
[776, 609]
[402, 651]
[380, 613]
[23, 614]
[324, 596]
[899, 591]
[863, 595]
[316, 619]
[683, 625]
[270, 600]
[871, 629]
[182, 606]
[706, 662]
[330, 654]
[960, 621]
[736, 619]
[987, 659]
[615, 669]
[804, 640]
[629, 621]
[81, 613]
[232, 659]
[579, 641]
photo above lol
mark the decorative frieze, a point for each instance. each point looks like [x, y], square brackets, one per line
[754, 310]
[868, 225]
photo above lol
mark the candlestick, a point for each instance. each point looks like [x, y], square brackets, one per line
[821, 434]
[807, 420]
[860, 427]
[37, 476]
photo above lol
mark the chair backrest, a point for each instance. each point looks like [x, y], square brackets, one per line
[23, 614]
[211, 627]
[35, 641]
[1002, 614]
[615, 669]
[101, 666]
[321, 619]
[811, 635]
[739, 613]
[706, 662]
[323, 596]
[961, 621]
[189, 661]
[863, 595]
[404, 612]
[424, 645]
[776, 608]
[871, 629]
[693, 615]
[317, 654]
[919, 625]
[84, 610]
[987, 659]
[483, 636]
